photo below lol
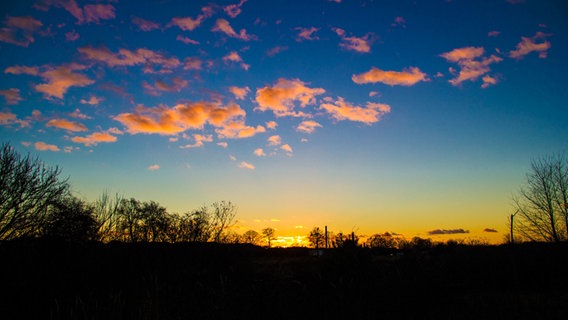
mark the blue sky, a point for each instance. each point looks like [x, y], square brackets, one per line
[371, 116]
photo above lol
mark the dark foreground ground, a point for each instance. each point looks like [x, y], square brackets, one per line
[57, 280]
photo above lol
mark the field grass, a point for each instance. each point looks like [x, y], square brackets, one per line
[57, 280]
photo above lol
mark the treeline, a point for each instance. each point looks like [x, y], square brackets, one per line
[36, 202]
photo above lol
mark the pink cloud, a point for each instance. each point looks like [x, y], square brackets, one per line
[529, 44]
[488, 81]
[308, 126]
[42, 146]
[92, 101]
[19, 30]
[154, 167]
[69, 5]
[246, 165]
[191, 63]
[271, 125]
[239, 93]
[472, 63]
[186, 40]
[12, 95]
[8, 118]
[284, 95]
[222, 25]
[306, 34]
[188, 23]
[233, 56]
[276, 50]
[342, 110]
[408, 77]
[399, 22]
[145, 25]
[95, 138]
[66, 125]
[259, 152]
[78, 115]
[493, 33]
[125, 57]
[97, 12]
[177, 85]
[71, 36]
[362, 44]
[234, 10]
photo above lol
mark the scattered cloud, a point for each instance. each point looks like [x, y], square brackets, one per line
[276, 50]
[154, 167]
[287, 148]
[259, 152]
[493, 33]
[78, 115]
[407, 77]
[97, 12]
[8, 118]
[176, 86]
[66, 125]
[444, 231]
[234, 56]
[42, 146]
[223, 26]
[95, 138]
[399, 22]
[308, 126]
[342, 110]
[284, 95]
[89, 13]
[246, 165]
[529, 44]
[188, 23]
[223, 144]
[191, 63]
[234, 10]
[71, 36]
[19, 30]
[59, 79]
[145, 25]
[93, 101]
[199, 141]
[488, 81]
[362, 44]
[472, 63]
[274, 140]
[489, 230]
[271, 125]
[238, 92]
[125, 58]
[186, 40]
[306, 34]
[12, 95]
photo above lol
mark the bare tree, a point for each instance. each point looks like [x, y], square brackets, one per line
[28, 188]
[71, 219]
[251, 237]
[106, 216]
[317, 237]
[269, 234]
[542, 202]
[222, 218]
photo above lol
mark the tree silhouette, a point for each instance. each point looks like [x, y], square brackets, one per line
[542, 204]
[106, 216]
[251, 237]
[28, 189]
[269, 234]
[343, 241]
[316, 238]
[71, 219]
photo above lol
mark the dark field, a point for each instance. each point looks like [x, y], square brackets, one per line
[44, 279]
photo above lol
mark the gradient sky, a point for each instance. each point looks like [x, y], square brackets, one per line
[413, 117]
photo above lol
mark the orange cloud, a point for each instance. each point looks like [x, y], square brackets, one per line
[287, 148]
[271, 125]
[282, 97]
[259, 152]
[78, 115]
[408, 77]
[472, 63]
[176, 86]
[362, 44]
[308, 126]
[19, 30]
[95, 138]
[125, 58]
[42, 146]
[59, 79]
[145, 25]
[199, 141]
[92, 101]
[246, 165]
[274, 140]
[190, 63]
[342, 110]
[12, 95]
[66, 125]
[528, 45]
[233, 56]
[239, 93]
[306, 34]
[488, 81]
[222, 25]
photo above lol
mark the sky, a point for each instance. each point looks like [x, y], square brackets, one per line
[418, 118]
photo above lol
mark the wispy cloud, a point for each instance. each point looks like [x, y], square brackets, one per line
[186, 40]
[145, 25]
[223, 26]
[276, 50]
[19, 30]
[399, 22]
[284, 95]
[246, 165]
[8, 118]
[287, 148]
[342, 110]
[12, 95]
[42, 146]
[259, 152]
[154, 167]
[234, 57]
[306, 34]
[471, 62]
[491, 230]
[199, 141]
[407, 77]
[97, 12]
[274, 140]
[234, 10]
[78, 115]
[95, 138]
[188, 23]
[125, 58]
[271, 125]
[308, 126]
[177, 85]
[59, 79]
[446, 231]
[93, 101]
[89, 13]
[532, 44]
[66, 125]
[359, 44]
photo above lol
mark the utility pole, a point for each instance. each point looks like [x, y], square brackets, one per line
[512, 220]
[326, 237]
